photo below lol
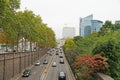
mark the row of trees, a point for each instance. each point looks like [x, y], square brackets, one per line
[15, 24]
[106, 43]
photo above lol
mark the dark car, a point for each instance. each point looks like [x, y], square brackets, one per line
[56, 53]
[27, 73]
[62, 76]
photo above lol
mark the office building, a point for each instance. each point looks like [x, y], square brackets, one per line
[117, 22]
[68, 32]
[96, 25]
[88, 25]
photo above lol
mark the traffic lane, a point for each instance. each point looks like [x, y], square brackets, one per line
[36, 71]
[52, 73]
[45, 72]
[62, 68]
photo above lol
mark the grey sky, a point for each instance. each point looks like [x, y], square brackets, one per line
[57, 13]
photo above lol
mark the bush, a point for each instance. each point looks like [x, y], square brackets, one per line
[111, 50]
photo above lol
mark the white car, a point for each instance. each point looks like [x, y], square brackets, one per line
[54, 64]
[62, 76]
[37, 63]
[61, 61]
[60, 56]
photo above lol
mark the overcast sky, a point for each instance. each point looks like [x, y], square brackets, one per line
[57, 13]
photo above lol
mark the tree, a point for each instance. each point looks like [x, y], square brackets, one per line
[88, 65]
[7, 15]
[107, 28]
[111, 50]
[69, 49]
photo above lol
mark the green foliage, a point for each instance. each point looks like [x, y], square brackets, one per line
[69, 49]
[24, 24]
[107, 28]
[111, 50]
[116, 27]
[105, 42]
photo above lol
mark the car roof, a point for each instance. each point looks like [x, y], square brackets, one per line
[27, 70]
[62, 74]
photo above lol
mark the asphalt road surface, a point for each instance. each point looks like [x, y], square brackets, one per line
[47, 72]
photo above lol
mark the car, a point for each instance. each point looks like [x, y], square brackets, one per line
[62, 76]
[56, 53]
[54, 64]
[45, 62]
[60, 56]
[50, 54]
[27, 73]
[62, 61]
[37, 63]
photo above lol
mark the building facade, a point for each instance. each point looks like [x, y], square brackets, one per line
[85, 25]
[96, 25]
[68, 32]
[88, 25]
[117, 22]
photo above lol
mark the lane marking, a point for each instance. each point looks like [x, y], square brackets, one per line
[47, 67]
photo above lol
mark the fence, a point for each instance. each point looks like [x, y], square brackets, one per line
[14, 63]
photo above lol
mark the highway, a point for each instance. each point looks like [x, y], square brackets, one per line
[47, 71]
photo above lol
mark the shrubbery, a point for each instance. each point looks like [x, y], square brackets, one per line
[106, 43]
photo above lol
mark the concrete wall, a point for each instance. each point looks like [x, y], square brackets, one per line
[104, 77]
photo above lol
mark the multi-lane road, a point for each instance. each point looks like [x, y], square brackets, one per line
[47, 71]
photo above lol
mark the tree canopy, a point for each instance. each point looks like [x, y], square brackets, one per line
[106, 42]
[17, 24]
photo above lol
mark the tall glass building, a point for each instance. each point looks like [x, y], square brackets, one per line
[88, 25]
[96, 25]
[117, 22]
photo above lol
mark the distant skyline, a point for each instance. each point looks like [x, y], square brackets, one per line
[57, 13]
